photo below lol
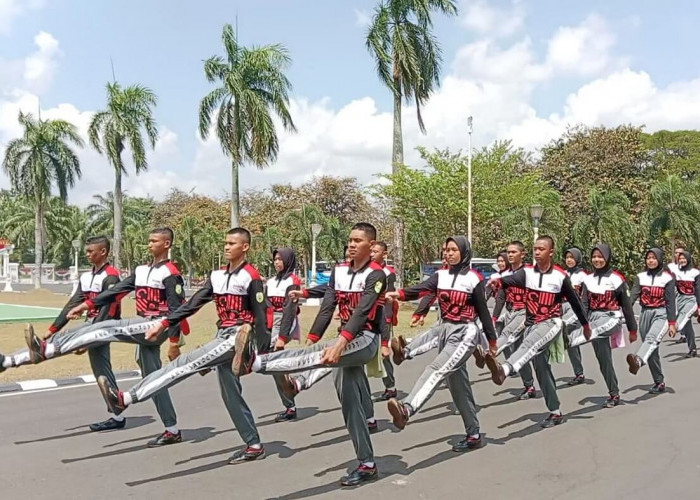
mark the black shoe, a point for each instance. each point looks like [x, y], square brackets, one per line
[479, 357]
[243, 352]
[288, 414]
[528, 393]
[360, 475]
[658, 388]
[387, 395]
[35, 346]
[681, 340]
[2, 360]
[372, 427]
[113, 396]
[577, 380]
[108, 425]
[552, 420]
[165, 439]
[399, 413]
[468, 444]
[248, 454]
[693, 353]
[612, 401]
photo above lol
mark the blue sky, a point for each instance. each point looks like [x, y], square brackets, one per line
[524, 69]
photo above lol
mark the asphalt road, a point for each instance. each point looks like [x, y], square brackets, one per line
[645, 448]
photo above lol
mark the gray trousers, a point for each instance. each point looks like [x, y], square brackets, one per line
[276, 322]
[351, 381]
[535, 347]
[216, 353]
[389, 380]
[511, 326]
[572, 327]
[604, 324]
[653, 325]
[424, 342]
[456, 343]
[131, 331]
[687, 306]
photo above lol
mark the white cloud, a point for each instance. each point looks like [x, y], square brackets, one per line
[40, 66]
[363, 18]
[12, 9]
[494, 22]
[583, 49]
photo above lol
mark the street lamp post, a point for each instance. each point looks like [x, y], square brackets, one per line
[76, 247]
[315, 230]
[536, 214]
[469, 181]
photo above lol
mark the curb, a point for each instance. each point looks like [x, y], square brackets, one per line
[45, 383]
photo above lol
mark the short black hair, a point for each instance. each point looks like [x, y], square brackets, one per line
[548, 239]
[383, 245]
[98, 240]
[366, 228]
[241, 231]
[165, 231]
[517, 243]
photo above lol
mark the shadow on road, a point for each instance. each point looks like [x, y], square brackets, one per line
[131, 423]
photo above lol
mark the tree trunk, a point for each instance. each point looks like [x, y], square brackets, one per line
[38, 241]
[235, 201]
[396, 160]
[118, 200]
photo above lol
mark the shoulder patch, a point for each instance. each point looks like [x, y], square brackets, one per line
[260, 297]
[378, 286]
[178, 289]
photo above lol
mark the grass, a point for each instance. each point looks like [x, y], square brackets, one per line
[202, 324]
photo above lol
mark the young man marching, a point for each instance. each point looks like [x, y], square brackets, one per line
[574, 268]
[357, 288]
[283, 317]
[606, 301]
[655, 289]
[511, 323]
[379, 254]
[101, 277]
[461, 298]
[687, 297]
[546, 287]
[159, 290]
[237, 291]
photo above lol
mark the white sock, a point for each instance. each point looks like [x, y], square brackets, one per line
[255, 446]
[7, 362]
[371, 420]
[172, 429]
[127, 398]
[368, 464]
[49, 350]
[257, 364]
[292, 408]
[391, 389]
[555, 412]
[474, 436]
[118, 418]
[506, 368]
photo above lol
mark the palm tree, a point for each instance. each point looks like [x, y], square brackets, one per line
[37, 161]
[333, 239]
[135, 212]
[190, 228]
[408, 62]
[674, 210]
[129, 112]
[298, 225]
[608, 220]
[253, 88]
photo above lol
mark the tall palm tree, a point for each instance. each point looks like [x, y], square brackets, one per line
[129, 113]
[408, 62]
[37, 161]
[298, 225]
[674, 210]
[252, 88]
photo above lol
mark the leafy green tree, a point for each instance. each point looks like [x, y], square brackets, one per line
[39, 160]
[673, 212]
[135, 212]
[408, 61]
[675, 152]
[129, 113]
[253, 88]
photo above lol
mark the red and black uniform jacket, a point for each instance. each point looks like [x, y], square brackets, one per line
[513, 297]
[460, 294]
[545, 292]
[90, 285]
[359, 296]
[607, 291]
[687, 278]
[159, 290]
[278, 302]
[239, 298]
[656, 288]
